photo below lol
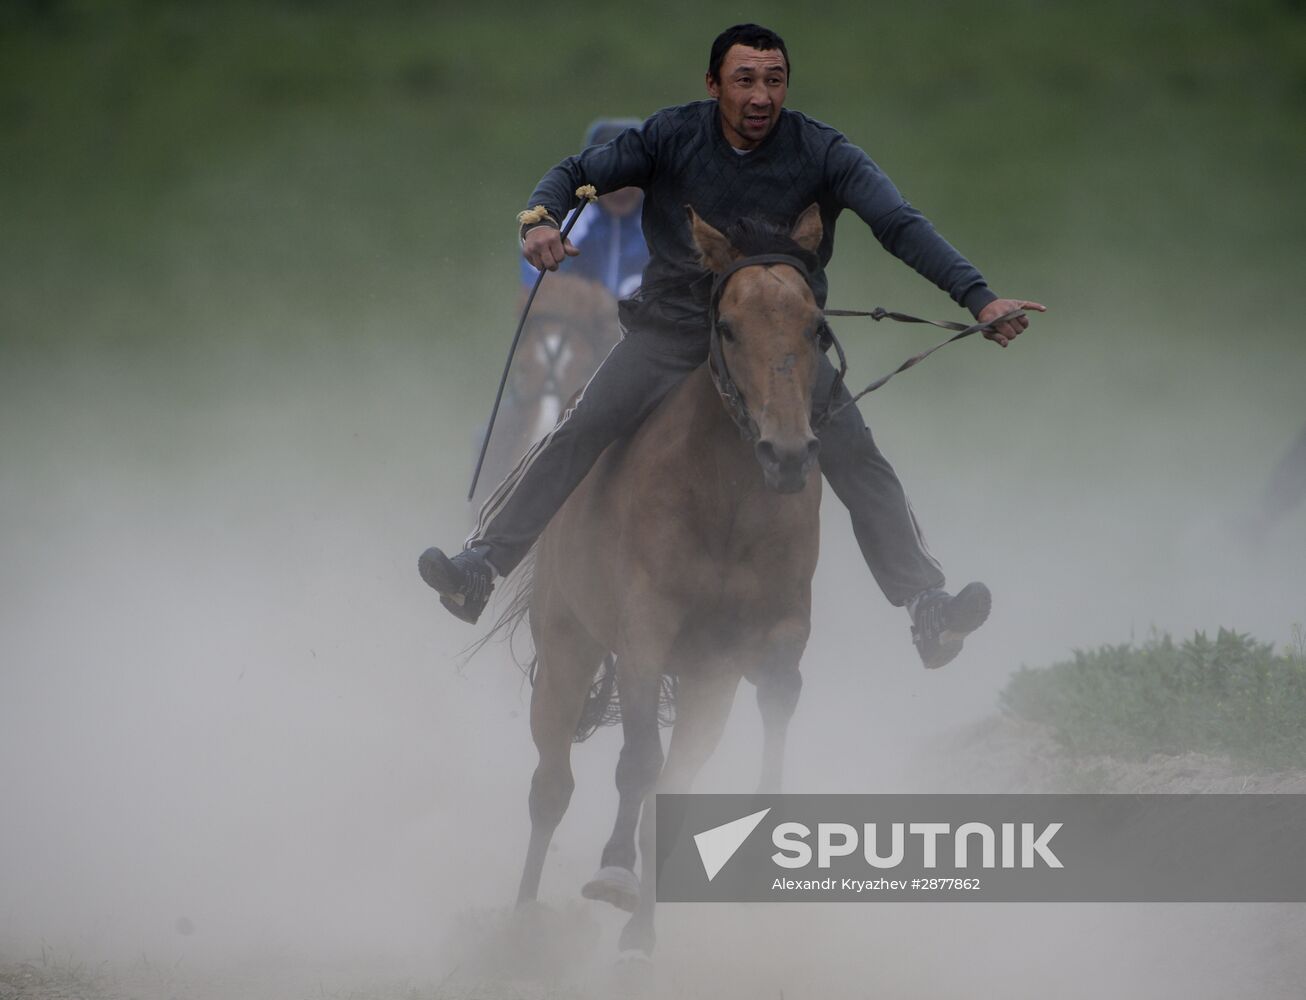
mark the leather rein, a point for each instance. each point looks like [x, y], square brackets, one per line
[729, 390]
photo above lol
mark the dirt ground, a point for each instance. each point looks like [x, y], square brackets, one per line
[560, 951]
[1007, 754]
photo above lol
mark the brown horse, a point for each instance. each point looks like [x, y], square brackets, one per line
[572, 326]
[688, 550]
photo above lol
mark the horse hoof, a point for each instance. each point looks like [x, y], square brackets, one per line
[614, 885]
[637, 937]
[633, 976]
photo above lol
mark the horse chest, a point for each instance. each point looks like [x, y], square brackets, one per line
[762, 555]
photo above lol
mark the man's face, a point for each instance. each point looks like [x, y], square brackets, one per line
[750, 93]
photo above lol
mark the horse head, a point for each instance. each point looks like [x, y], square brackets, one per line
[767, 334]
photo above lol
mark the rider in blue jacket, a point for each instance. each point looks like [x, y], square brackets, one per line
[609, 234]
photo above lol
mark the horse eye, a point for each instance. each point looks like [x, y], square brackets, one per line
[725, 331]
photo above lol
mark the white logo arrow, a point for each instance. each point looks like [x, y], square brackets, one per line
[718, 845]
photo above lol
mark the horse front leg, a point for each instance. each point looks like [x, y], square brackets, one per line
[638, 688]
[703, 699]
[639, 934]
[779, 683]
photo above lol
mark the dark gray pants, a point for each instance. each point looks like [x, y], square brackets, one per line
[632, 380]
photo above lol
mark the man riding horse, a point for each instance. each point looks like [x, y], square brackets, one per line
[740, 154]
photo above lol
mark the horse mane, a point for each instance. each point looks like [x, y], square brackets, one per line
[752, 237]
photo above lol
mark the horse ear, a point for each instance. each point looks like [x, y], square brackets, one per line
[807, 231]
[714, 250]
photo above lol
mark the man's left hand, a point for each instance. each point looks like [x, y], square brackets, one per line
[1004, 333]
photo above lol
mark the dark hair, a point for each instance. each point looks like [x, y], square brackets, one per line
[752, 35]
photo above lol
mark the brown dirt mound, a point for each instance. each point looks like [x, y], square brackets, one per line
[1008, 754]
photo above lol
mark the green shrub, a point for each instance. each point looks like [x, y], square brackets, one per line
[1229, 695]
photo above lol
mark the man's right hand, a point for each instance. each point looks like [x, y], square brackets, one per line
[543, 248]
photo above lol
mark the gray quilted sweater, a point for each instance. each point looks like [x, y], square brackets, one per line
[679, 158]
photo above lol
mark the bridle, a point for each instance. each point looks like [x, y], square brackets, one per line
[727, 388]
[733, 398]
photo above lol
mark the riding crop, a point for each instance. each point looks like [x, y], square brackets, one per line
[586, 193]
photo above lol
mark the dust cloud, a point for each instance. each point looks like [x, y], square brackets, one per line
[236, 741]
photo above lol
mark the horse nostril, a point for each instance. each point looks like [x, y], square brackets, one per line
[766, 453]
[813, 447]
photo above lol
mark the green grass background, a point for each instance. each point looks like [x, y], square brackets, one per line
[1229, 695]
[182, 170]
[270, 180]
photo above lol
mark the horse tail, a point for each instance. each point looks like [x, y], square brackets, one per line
[510, 619]
[601, 706]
